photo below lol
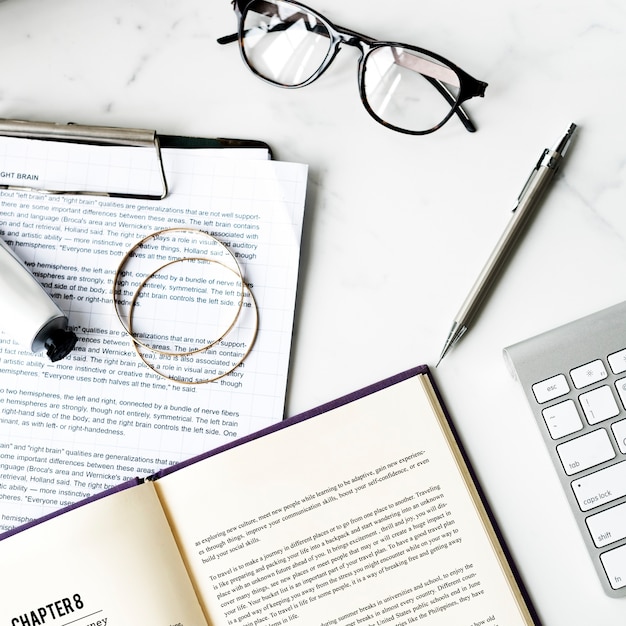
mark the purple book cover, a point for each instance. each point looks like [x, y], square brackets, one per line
[351, 397]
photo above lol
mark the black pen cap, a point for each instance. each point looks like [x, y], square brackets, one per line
[59, 343]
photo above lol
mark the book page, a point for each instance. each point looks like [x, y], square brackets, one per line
[107, 413]
[367, 519]
[111, 562]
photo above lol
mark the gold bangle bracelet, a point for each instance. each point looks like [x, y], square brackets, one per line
[120, 270]
[244, 355]
[140, 288]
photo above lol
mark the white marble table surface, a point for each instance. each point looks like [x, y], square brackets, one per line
[397, 226]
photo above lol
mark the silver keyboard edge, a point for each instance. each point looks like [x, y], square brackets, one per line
[555, 352]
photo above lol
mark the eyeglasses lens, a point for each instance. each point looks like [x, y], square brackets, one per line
[407, 89]
[283, 43]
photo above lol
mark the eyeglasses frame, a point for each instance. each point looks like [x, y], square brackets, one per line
[469, 87]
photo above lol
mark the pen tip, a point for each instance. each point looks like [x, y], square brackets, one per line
[444, 352]
[456, 333]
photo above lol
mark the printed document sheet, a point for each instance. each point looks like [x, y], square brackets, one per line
[108, 413]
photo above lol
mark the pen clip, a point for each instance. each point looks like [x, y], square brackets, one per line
[530, 178]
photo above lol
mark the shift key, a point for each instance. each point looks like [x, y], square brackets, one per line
[600, 487]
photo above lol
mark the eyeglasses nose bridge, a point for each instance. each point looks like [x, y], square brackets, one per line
[342, 36]
[352, 39]
[337, 39]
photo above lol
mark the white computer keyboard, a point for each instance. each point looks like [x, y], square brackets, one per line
[574, 378]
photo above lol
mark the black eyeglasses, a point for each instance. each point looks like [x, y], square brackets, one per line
[403, 87]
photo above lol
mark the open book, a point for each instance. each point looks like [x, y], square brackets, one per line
[360, 512]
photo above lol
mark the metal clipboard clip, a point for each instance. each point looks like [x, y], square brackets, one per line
[94, 135]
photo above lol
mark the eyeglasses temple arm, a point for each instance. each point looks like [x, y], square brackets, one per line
[320, 30]
[228, 39]
[459, 110]
[477, 88]
[271, 11]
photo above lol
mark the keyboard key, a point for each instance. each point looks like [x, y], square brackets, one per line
[620, 385]
[599, 404]
[551, 388]
[614, 563]
[609, 526]
[617, 362]
[588, 374]
[585, 451]
[619, 431]
[562, 419]
[601, 487]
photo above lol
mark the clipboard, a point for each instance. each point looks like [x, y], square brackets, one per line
[114, 136]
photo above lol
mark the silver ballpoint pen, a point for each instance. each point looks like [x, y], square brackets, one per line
[534, 189]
